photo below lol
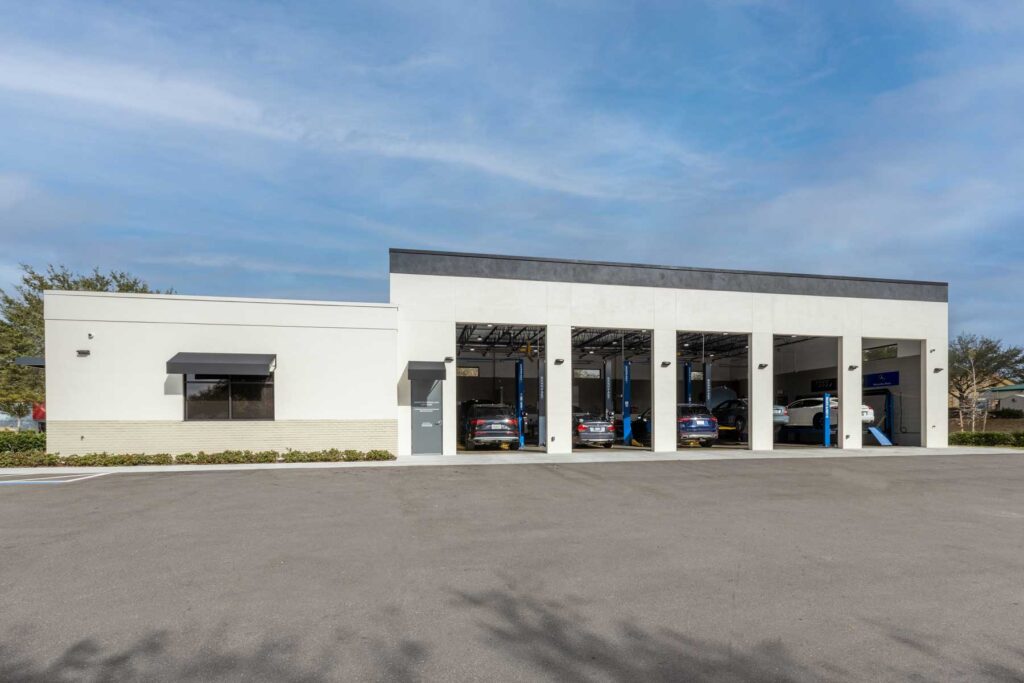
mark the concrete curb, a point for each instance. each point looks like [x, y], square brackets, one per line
[524, 458]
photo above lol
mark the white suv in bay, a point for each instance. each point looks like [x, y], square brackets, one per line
[807, 412]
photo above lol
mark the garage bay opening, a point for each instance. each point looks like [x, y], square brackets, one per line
[611, 388]
[806, 371]
[893, 409]
[499, 388]
[713, 389]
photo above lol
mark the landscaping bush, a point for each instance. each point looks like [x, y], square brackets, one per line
[379, 455]
[29, 459]
[226, 458]
[116, 460]
[1007, 414]
[334, 455]
[22, 441]
[987, 439]
[39, 458]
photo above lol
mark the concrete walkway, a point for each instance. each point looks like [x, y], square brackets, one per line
[525, 457]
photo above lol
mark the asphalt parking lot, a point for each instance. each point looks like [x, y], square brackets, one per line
[782, 570]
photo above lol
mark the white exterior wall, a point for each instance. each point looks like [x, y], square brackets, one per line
[341, 368]
[330, 386]
[431, 305]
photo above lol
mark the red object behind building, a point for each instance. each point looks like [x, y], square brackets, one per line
[39, 412]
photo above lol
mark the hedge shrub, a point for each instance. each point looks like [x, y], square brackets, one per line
[29, 459]
[987, 439]
[22, 441]
[1007, 414]
[40, 458]
[225, 458]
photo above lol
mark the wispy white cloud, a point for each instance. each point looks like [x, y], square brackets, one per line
[998, 16]
[195, 101]
[264, 266]
[14, 189]
[135, 89]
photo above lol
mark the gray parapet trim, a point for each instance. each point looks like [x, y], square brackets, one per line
[418, 262]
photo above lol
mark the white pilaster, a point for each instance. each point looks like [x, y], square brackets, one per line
[663, 388]
[935, 392]
[851, 392]
[559, 388]
[762, 387]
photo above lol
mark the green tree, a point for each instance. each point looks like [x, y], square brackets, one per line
[22, 329]
[980, 363]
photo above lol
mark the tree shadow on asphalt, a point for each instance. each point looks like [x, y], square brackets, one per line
[155, 657]
[557, 642]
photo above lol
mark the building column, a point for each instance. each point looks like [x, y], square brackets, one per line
[559, 388]
[850, 434]
[935, 393]
[761, 371]
[663, 389]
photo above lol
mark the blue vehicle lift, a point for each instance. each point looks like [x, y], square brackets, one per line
[687, 382]
[627, 402]
[520, 400]
[884, 435]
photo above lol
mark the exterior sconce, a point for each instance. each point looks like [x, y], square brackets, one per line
[448, 359]
[762, 366]
[937, 370]
[853, 367]
[666, 363]
[559, 361]
[82, 353]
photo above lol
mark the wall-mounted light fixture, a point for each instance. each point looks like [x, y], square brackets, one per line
[559, 361]
[82, 353]
[937, 370]
[853, 367]
[90, 335]
[448, 359]
[762, 366]
[666, 363]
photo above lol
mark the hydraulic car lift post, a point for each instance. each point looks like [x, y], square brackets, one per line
[687, 382]
[627, 402]
[707, 384]
[609, 401]
[520, 401]
[542, 406]
[826, 413]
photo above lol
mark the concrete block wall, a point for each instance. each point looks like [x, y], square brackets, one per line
[78, 437]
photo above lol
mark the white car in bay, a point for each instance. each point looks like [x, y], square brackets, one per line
[808, 412]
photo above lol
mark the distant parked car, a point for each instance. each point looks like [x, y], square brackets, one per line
[696, 423]
[489, 424]
[808, 412]
[592, 430]
[732, 415]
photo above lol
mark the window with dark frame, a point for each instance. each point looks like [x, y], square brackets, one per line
[229, 397]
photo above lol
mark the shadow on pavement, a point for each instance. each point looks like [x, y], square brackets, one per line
[158, 656]
[557, 642]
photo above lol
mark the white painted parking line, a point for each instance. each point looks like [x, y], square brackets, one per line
[51, 479]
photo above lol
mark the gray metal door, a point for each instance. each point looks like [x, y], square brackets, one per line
[427, 425]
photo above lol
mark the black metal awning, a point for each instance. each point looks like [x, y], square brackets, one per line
[30, 361]
[427, 369]
[186, 363]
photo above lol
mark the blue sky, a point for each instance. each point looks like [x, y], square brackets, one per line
[278, 149]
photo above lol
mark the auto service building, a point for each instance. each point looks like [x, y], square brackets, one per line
[552, 339]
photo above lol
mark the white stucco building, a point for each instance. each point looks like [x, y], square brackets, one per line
[169, 373]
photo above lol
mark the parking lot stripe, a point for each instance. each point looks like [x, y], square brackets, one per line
[53, 479]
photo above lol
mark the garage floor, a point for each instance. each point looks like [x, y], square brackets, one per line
[786, 570]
